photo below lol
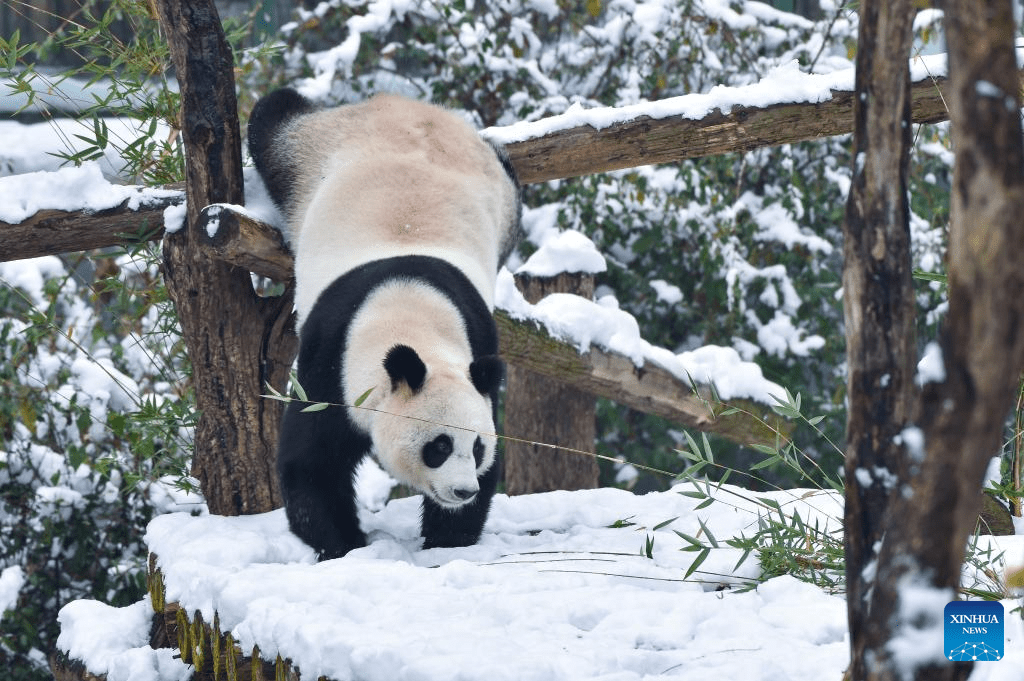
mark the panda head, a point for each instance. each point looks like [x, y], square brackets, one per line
[434, 427]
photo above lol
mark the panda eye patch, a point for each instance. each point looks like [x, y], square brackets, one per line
[437, 451]
[478, 451]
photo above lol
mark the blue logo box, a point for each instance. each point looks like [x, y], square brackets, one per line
[974, 631]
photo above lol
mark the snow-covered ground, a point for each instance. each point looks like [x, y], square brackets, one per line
[559, 587]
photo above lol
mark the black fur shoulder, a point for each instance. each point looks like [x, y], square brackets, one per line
[274, 164]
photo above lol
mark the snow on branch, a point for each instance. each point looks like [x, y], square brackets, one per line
[786, 106]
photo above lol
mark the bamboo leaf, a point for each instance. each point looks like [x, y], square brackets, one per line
[297, 387]
[664, 523]
[362, 398]
[701, 557]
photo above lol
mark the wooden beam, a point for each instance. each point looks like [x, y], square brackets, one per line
[244, 241]
[50, 232]
[585, 150]
[650, 388]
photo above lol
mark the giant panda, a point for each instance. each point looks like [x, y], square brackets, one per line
[398, 215]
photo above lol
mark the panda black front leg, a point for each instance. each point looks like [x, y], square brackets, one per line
[317, 465]
[447, 528]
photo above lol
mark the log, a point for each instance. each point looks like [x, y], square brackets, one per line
[585, 150]
[650, 388]
[242, 240]
[50, 232]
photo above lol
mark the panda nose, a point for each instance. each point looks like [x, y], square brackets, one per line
[464, 494]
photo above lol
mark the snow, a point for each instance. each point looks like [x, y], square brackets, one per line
[558, 588]
[931, 368]
[81, 188]
[913, 438]
[115, 642]
[666, 292]
[552, 591]
[27, 148]
[11, 580]
[568, 251]
[174, 218]
[30, 275]
[583, 323]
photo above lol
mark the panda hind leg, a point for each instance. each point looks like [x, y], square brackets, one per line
[275, 161]
[446, 528]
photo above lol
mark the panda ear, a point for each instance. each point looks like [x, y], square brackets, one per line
[486, 373]
[404, 365]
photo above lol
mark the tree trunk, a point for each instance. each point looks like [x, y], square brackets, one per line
[540, 409]
[961, 416]
[878, 305]
[237, 341]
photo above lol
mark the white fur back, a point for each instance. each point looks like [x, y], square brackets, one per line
[391, 176]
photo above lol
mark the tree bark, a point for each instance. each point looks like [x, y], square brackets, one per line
[542, 409]
[237, 341]
[878, 306]
[961, 417]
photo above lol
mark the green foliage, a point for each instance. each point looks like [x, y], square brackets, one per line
[126, 78]
[95, 435]
[784, 543]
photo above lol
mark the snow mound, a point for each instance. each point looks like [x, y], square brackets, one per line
[114, 642]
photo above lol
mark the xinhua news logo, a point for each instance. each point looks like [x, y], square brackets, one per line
[974, 631]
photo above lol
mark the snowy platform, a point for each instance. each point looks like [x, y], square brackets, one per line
[559, 587]
[563, 586]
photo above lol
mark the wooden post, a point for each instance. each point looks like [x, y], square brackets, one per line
[878, 304]
[237, 342]
[540, 409]
[961, 414]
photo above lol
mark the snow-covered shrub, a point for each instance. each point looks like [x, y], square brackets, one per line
[95, 428]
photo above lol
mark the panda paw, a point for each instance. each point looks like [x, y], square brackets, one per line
[337, 549]
[450, 541]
